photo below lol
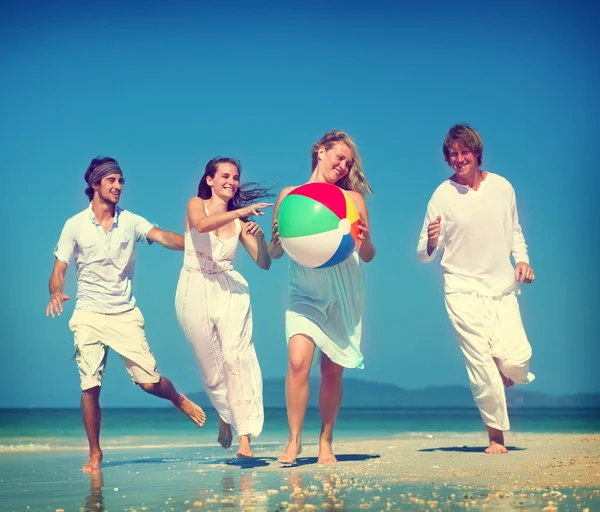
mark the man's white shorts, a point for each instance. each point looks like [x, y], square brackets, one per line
[124, 332]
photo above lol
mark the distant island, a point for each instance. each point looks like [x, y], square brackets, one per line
[357, 393]
[361, 393]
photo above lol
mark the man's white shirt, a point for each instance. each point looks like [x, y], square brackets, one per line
[105, 262]
[479, 232]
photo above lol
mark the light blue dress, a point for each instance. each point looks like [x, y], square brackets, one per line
[327, 304]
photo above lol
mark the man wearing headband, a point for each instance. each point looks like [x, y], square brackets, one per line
[101, 239]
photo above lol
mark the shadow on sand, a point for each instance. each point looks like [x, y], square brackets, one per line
[148, 460]
[256, 462]
[466, 449]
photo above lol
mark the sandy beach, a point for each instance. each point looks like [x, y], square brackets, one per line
[409, 472]
[534, 460]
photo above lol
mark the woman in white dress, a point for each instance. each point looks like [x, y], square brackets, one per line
[213, 302]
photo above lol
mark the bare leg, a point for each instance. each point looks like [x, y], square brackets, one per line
[225, 435]
[165, 389]
[508, 383]
[496, 441]
[301, 350]
[91, 413]
[330, 399]
[244, 451]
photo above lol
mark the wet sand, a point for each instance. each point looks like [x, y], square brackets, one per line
[410, 472]
[533, 460]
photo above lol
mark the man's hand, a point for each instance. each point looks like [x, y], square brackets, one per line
[524, 273]
[433, 234]
[55, 304]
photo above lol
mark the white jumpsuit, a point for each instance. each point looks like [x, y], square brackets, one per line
[213, 309]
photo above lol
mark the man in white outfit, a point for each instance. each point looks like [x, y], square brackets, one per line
[472, 221]
[101, 239]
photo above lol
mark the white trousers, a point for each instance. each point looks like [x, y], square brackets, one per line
[492, 338]
[215, 316]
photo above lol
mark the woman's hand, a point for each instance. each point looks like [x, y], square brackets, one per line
[275, 233]
[253, 239]
[363, 230]
[366, 249]
[253, 229]
[254, 209]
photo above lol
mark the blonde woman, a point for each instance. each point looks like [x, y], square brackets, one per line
[324, 314]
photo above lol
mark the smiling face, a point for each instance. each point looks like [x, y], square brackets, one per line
[335, 162]
[463, 161]
[226, 181]
[110, 187]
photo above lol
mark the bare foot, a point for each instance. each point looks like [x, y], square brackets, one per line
[291, 453]
[507, 382]
[496, 441]
[193, 411]
[326, 455]
[244, 451]
[225, 435]
[95, 461]
[495, 447]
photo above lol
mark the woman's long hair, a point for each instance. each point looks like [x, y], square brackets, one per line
[355, 180]
[246, 194]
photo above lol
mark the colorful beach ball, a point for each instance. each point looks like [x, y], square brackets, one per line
[318, 225]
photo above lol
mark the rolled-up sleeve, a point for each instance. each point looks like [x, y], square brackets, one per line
[66, 243]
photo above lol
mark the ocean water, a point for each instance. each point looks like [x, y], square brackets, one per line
[156, 459]
[184, 479]
[24, 430]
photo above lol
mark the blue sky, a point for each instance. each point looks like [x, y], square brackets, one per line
[165, 87]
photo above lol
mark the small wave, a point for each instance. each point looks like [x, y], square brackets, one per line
[436, 434]
[107, 446]
[31, 447]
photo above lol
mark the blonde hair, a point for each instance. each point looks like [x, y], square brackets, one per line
[465, 136]
[355, 180]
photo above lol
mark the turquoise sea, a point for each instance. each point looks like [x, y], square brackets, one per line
[156, 459]
[24, 430]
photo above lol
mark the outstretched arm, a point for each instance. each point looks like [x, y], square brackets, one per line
[206, 223]
[274, 248]
[366, 248]
[57, 283]
[253, 239]
[168, 239]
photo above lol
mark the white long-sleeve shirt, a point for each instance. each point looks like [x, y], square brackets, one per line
[479, 232]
